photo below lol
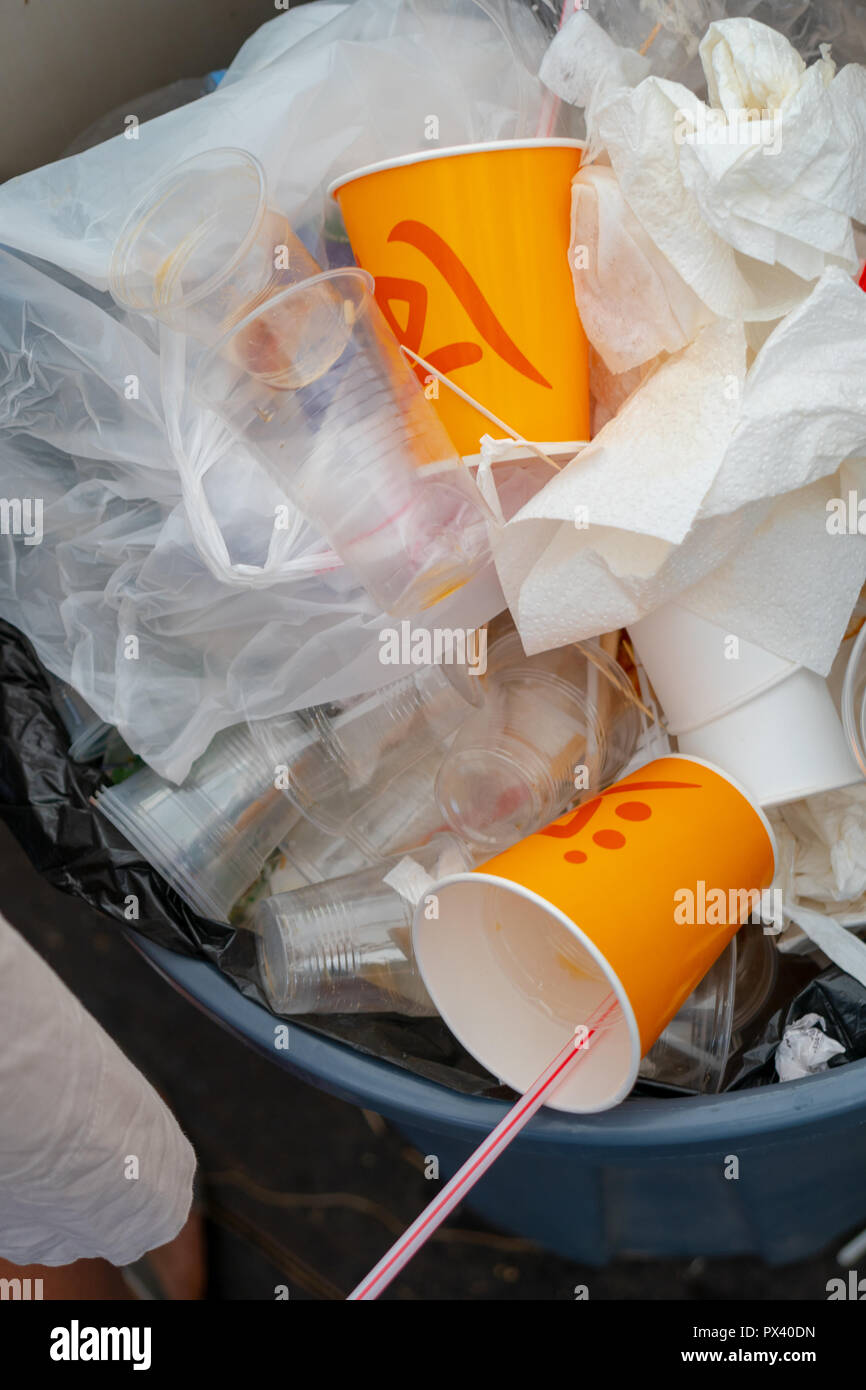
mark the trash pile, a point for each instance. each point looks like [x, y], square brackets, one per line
[432, 465]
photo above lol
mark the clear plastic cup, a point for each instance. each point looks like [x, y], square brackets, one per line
[554, 730]
[319, 857]
[203, 248]
[692, 1053]
[854, 700]
[401, 818]
[88, 734]
[404, 815]
[757, 973]
[314, 381]
[210, 837]
[331, 760]
[345, 946]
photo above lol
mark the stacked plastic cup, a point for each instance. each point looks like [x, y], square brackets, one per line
[210, 837]
[345, 946]
[318, 857]
[555, 729]
[314, 381]
[204, 246]
[767, 722]
[332, 760]
[88, 734]
[402, 817]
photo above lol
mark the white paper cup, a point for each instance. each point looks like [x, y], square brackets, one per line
[695, 680]
[782, 745]
[532, 945]
[487, 983]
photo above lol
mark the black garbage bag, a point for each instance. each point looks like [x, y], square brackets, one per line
[837, 998]
[45, 799]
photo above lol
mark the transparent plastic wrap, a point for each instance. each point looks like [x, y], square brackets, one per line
[670, 30]
[159, 585]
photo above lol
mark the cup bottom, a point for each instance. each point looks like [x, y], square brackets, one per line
[489, 800]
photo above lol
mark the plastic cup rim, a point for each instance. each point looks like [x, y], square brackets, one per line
[467, 832]
[563, 920]
[167, 855]
[157, 193]
[450, 151]
[218, 349]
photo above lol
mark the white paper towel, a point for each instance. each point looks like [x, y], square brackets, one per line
[746, 200]
[710, 485]
[804, 407]
[652, 310]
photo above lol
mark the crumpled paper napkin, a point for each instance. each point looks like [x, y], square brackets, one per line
[805, 1049]
[711, 485]
[743, 202]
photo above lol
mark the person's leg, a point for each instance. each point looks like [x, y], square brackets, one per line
[85, 1279]
[95, 1172]
[179, 1268]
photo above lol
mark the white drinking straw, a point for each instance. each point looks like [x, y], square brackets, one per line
[476, 1165]
[482, 409]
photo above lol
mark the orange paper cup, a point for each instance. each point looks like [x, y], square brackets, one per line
[469, 250]
[637, 893]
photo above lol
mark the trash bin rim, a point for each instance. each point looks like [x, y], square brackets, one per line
[641, 1124]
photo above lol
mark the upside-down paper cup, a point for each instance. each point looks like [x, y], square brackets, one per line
[785, 744]
[697, 671]
[469, 249]
[635, 894]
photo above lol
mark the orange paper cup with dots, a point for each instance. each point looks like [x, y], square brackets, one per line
[469, 249]
[633, 895]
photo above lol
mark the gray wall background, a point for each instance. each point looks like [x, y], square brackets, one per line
[64, 63]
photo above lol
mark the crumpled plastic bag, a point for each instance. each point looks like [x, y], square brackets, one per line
[161, 589]
[670, 31]
[710, 486]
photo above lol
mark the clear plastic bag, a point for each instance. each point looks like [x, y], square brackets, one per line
[161, 588]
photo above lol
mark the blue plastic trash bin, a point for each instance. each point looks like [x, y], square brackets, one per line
[652, 1178]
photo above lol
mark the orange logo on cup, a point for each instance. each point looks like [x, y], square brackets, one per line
[615, 865]
[459, 280]
[634, 811]
[474, 243]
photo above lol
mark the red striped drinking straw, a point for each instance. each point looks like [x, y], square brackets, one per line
[485, 1155]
